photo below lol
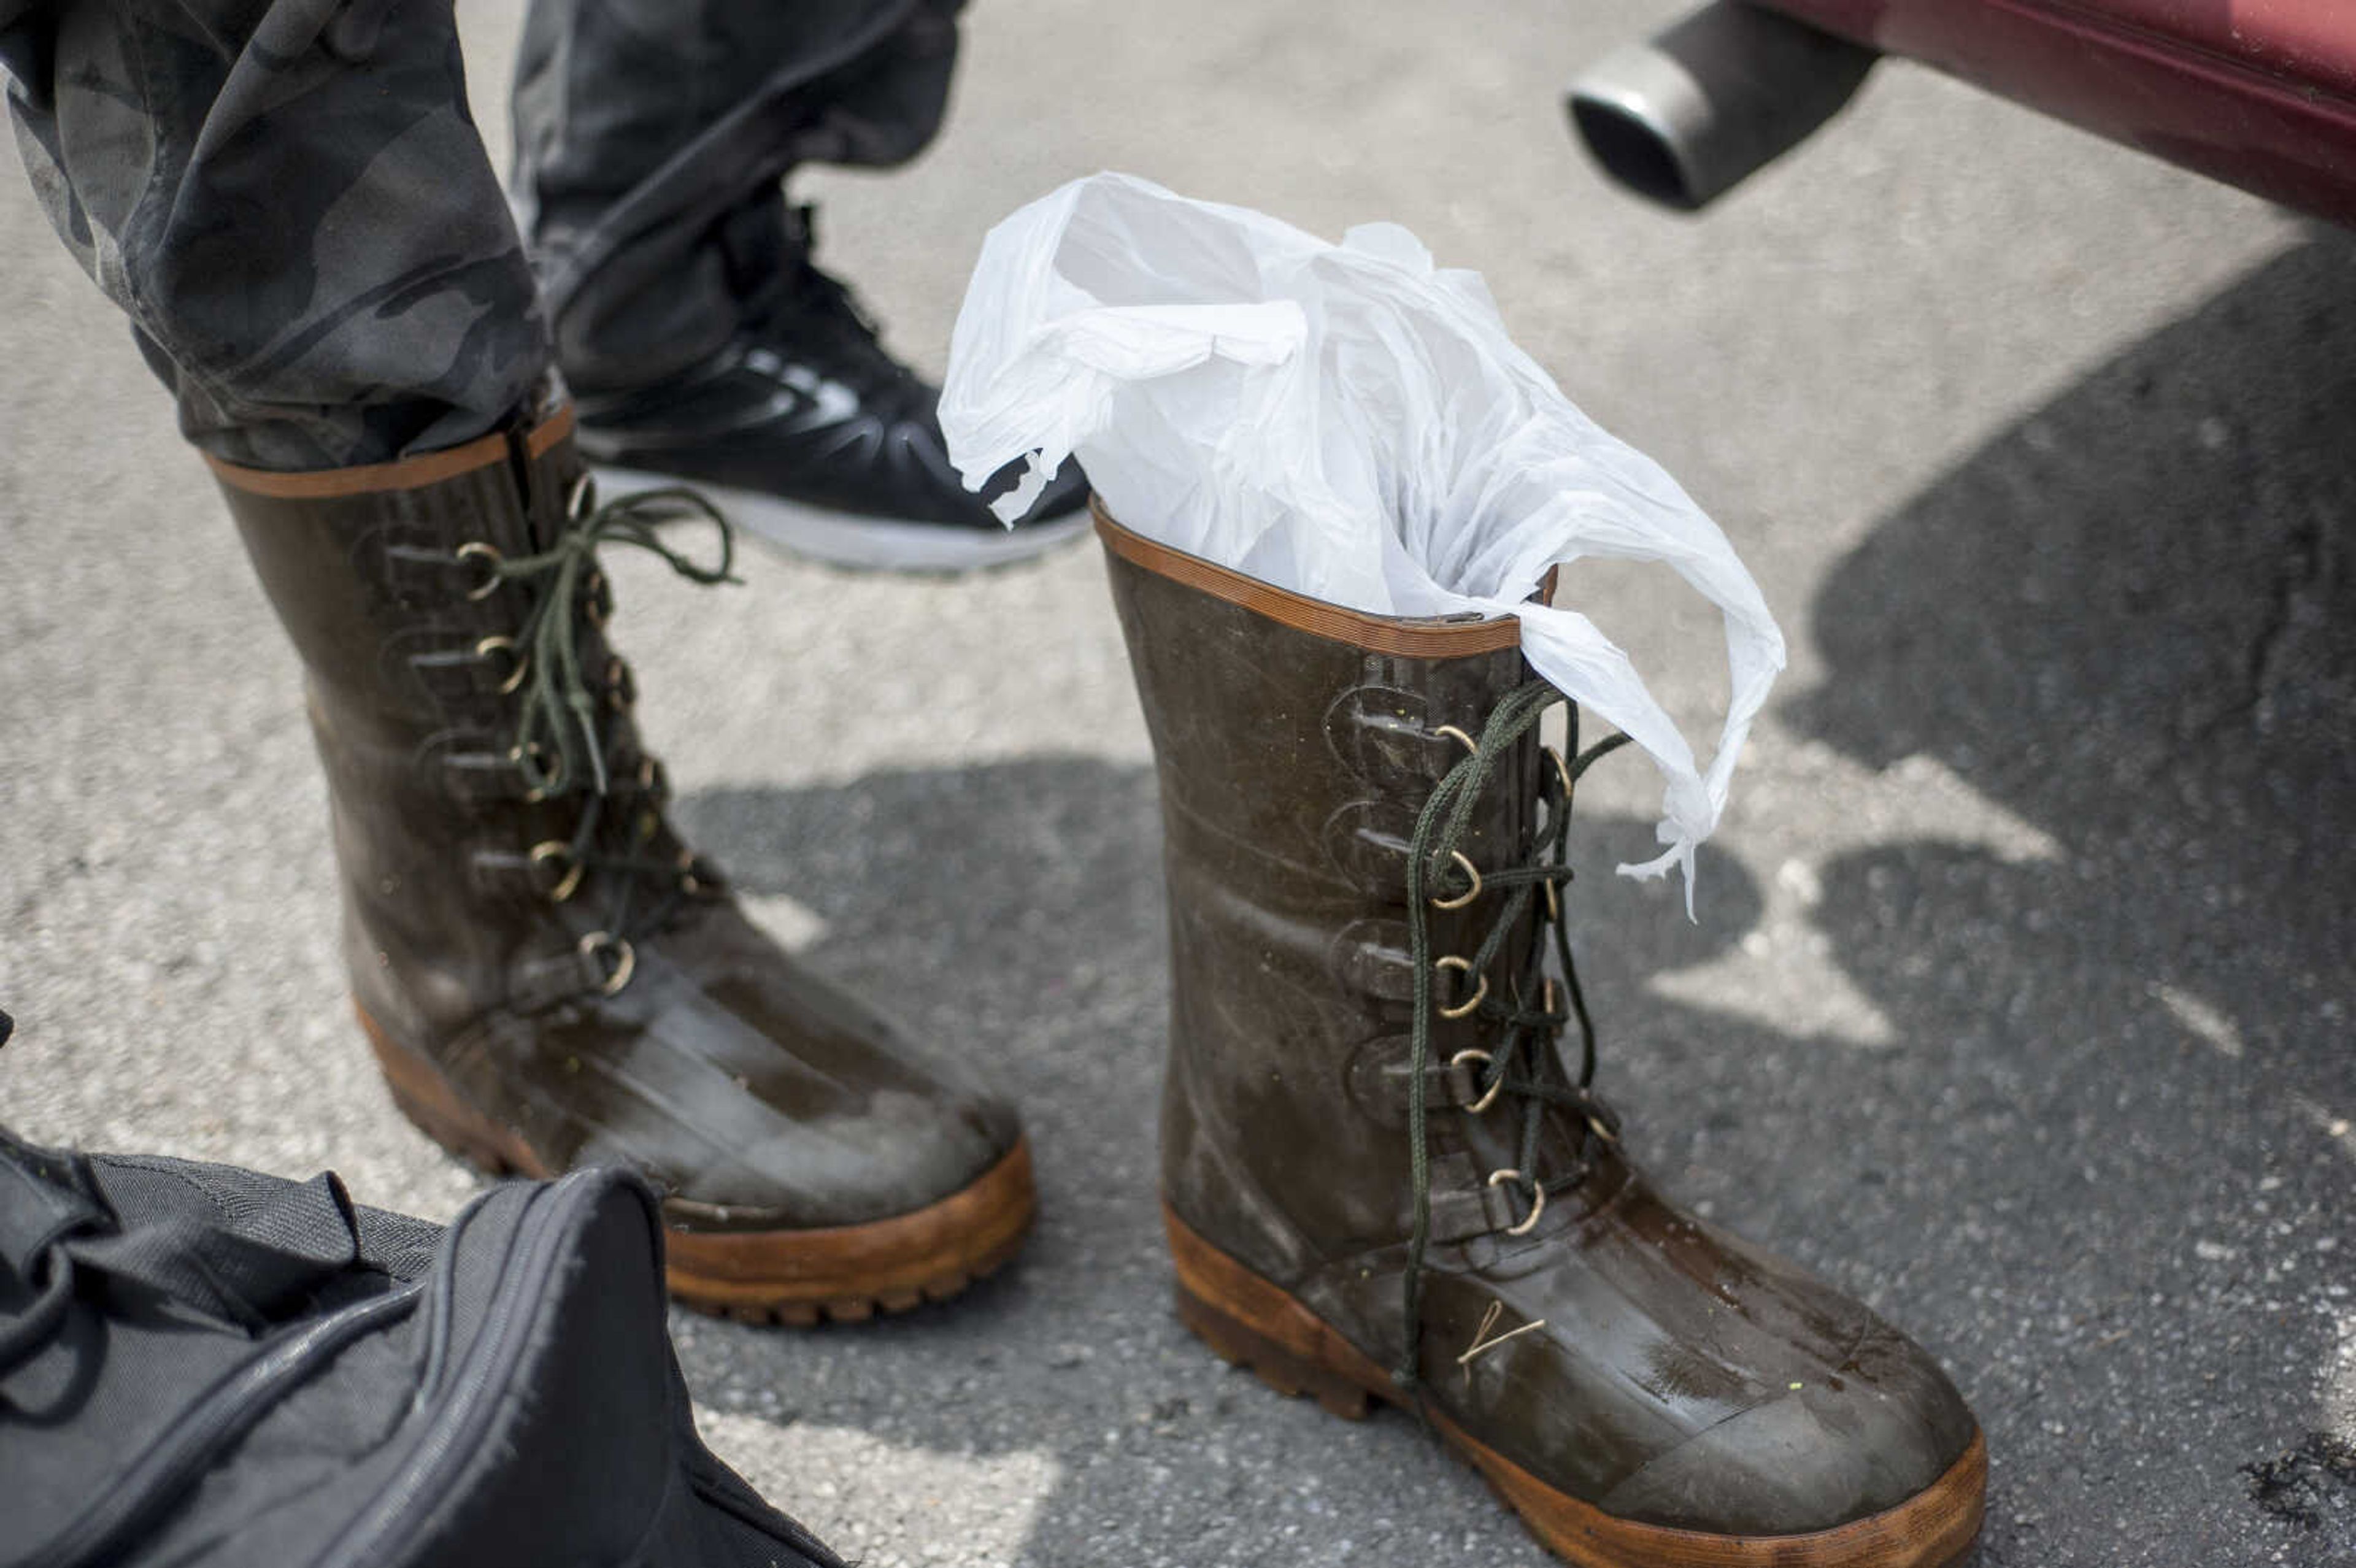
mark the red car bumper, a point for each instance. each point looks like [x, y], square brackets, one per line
[2259, 93]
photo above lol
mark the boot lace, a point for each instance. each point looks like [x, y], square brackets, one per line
[1521, 1063]
[560, 744]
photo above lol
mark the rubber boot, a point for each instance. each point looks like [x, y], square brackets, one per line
[550, 977]
[1385, 1173]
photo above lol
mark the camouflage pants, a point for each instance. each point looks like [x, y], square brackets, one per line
[291, 202]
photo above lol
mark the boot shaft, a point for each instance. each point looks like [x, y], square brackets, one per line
[1296, 744]
[465, 877]
[548, 977]
[380, 573]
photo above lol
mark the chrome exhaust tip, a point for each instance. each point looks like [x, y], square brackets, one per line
[1690, 114]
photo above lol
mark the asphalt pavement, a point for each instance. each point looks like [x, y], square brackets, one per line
[2021, 1001]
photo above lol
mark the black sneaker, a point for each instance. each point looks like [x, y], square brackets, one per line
[809, 434]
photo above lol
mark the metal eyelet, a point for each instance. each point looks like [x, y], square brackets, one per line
[1480, 993]
[625, 958]
[599, 603]
[1538, 1201]
[506, 645]
[1465, 1058]
[1471, 744]
[621, 688]
[1470, 893]
[548, 849]
[689, 882]
[475, 550]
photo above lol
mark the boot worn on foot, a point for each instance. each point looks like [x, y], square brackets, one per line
[810, 434]
[550, 977]
[1383, 1181]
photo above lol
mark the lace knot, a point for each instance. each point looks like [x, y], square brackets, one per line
[558, 745]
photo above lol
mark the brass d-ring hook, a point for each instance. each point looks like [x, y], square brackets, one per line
[548, 849]
[1479, 992]
[506, 645]
[625, 958]
[475, 550]
[1470, 870]
[1538, 1201]
[1465, 1058]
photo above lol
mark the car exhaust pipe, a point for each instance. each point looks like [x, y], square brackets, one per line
[1689, 115]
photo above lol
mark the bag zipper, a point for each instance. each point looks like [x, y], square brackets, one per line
[453, 1435]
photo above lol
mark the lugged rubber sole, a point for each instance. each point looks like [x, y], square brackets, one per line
[849, 1272]
[865, 544]
[1252, 1322]
[801, 1277]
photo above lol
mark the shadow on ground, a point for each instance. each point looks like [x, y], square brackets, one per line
[1018, 908]
[2105, 1171]
[2130, 621]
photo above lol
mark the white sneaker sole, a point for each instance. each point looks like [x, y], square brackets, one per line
[846, 539]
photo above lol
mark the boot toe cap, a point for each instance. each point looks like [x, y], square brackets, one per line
[1823, 1454]
[897, 1152]
[761, 1096]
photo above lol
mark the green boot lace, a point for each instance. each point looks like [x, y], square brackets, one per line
[1440, 875]
[559, 746]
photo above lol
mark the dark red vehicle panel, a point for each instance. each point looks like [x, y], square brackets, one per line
[2259, 93]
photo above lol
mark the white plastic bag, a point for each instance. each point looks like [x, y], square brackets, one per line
[1345, 421]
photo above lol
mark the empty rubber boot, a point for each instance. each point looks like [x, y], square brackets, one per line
[1383, 1176]
[550, 977]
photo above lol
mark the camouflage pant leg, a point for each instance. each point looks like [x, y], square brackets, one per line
[651, 139]
[289, 199]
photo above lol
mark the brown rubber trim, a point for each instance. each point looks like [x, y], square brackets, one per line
[1249, 1320]
[844, 1272]
[409, 473]
[1379, 633]
[549, 431]
[927, 1252]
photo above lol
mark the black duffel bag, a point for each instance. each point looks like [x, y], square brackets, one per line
[201, 1365]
